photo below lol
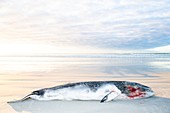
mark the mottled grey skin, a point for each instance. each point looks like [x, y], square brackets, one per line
[94, 86]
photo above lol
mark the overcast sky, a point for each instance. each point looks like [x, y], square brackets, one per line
[57, 26]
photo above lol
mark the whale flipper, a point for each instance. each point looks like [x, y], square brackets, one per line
[110, 96]
[104, 99]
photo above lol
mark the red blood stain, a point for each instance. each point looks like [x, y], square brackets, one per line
[135, 92]
[132, 89]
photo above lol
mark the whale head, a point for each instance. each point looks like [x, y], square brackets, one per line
[147, 90]
[136, 90]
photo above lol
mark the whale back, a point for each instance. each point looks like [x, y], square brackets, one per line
[93, 85]
[123, 86]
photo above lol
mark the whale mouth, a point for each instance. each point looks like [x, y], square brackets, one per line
[139, 92]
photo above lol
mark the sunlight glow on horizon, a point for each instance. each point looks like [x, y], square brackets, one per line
[8, 48]
[33, 49]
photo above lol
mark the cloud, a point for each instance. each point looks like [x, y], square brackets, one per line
[101, 24]
[162, 49]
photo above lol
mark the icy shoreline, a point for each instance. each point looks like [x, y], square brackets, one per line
[148, 105]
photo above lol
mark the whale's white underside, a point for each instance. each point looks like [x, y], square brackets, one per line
[81, 92]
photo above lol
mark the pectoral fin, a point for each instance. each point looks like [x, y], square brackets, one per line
[110, 96]
[104, 99]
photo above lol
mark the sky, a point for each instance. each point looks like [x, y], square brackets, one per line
[31, 27]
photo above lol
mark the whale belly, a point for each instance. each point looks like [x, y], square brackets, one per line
[80, 92]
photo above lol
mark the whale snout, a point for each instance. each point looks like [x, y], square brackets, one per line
[147, 90]
[136, 90]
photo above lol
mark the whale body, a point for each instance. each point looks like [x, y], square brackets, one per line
[96, 90]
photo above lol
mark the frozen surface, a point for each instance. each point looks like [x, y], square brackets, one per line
[21, 75]
[150, 105]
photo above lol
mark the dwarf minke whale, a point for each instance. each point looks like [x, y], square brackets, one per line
[95, 90]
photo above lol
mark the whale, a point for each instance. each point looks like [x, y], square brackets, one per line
[102, 91]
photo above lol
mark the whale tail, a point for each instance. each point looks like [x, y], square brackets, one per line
[26, 97]
[34, 95]
[23, 99]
